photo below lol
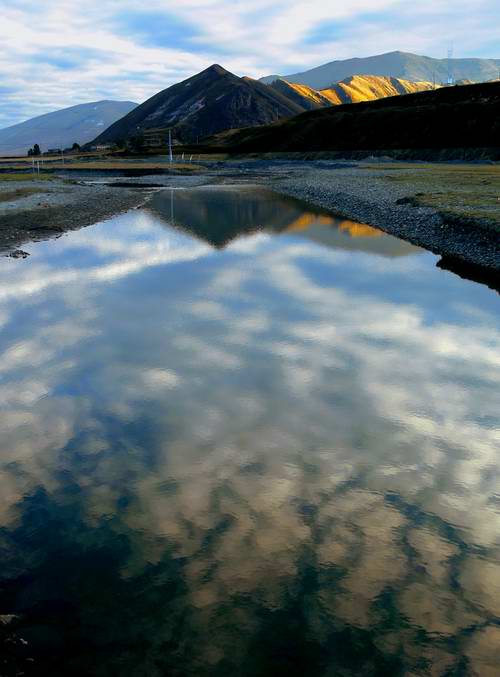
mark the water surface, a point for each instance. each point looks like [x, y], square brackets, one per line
[241, 437]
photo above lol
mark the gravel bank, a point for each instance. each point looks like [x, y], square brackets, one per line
[61, 206]
[358, 193]
[367, 196]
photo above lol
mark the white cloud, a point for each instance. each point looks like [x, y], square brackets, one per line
[56, 54]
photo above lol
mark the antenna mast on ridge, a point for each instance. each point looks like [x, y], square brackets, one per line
[450, 66]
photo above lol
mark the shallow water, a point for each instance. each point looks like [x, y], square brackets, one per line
[260, 441]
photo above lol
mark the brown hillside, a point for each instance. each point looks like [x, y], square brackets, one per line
[359, 88]
[304, 96]
[354, 89]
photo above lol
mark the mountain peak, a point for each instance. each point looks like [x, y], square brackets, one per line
[205, 104]
[398, 64]
[216, 68]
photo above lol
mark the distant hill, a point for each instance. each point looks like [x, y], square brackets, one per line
[64, 127]
[465, 116]
[398, 65]
[350, 90]
[207, 103]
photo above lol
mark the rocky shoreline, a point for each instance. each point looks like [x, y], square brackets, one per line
[57, 209]
[359, 194]
[389, 207]
[60, 207]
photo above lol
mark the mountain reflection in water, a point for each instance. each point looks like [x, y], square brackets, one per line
[278, 458]
[220, 215]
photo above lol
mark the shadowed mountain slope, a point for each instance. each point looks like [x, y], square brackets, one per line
[395, 64]
[64, 127]
[452, 117]
[207, 103]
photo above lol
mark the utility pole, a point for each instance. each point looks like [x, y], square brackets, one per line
[171, 157]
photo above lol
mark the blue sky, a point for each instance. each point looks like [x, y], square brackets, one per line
[59, 53]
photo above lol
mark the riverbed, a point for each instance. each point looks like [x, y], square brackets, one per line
[451, 210]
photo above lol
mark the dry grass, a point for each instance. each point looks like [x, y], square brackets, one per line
[207, 157]
[12, 195]
[26, 160]
[14, 171]
[369, 88]
[19, 165]
[4, 178]
[126, 165]
[458, 191]
[102, 165]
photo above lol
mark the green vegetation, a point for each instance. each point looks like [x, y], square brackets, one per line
[35, 151]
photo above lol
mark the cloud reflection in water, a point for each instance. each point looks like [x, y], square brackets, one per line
[277, 457]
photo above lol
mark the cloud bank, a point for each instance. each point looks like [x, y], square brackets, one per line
[57, 54]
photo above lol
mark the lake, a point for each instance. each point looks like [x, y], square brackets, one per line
[241, 436]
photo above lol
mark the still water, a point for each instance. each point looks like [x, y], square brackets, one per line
[240, 437]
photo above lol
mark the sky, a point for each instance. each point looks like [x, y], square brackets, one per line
[59, 53]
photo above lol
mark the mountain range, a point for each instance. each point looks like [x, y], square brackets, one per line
[60, 129]
[459, 117]
[216, 100]
[395, 64]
